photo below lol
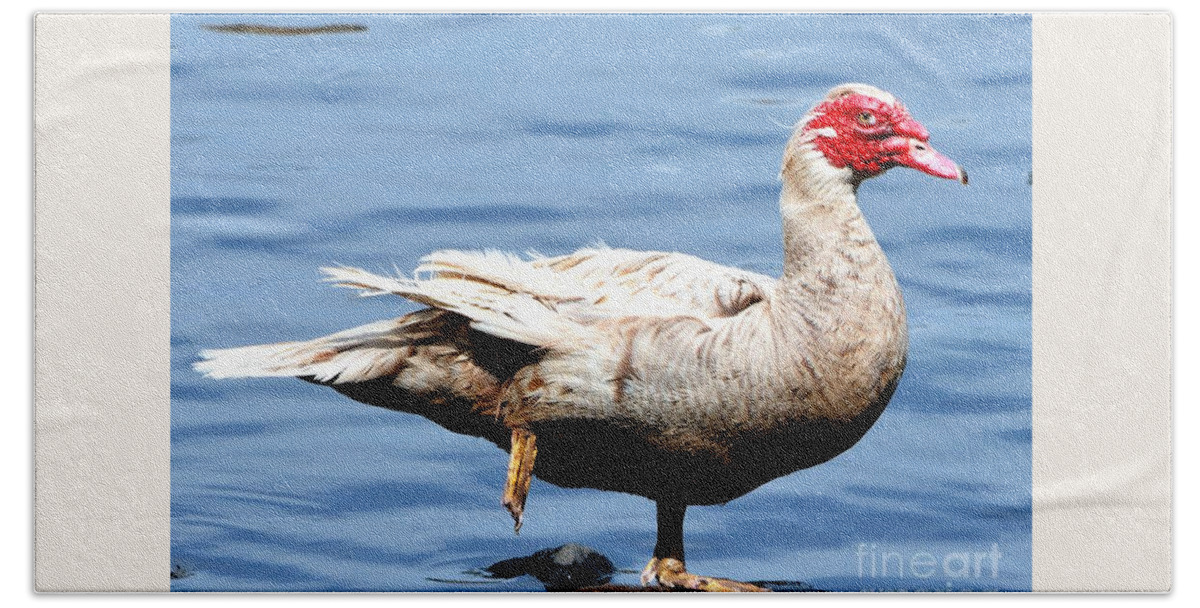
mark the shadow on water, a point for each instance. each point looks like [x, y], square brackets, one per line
[223, 205]
[575, 567]
[783, 79]
[575, 130]
[595, 129]
[341, 501]
[209, 432]
[460, 214]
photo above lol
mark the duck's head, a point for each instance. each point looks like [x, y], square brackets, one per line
[857, 132]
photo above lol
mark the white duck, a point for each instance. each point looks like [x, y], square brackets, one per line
[657, 374]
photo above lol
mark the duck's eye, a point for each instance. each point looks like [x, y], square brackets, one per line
[866, 119]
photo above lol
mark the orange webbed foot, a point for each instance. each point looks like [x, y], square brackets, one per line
[671, 573]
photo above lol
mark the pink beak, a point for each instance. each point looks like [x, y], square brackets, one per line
[912, 144]
[922, 157]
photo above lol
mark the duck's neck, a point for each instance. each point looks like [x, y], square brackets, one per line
[837, 307]
[826, 239]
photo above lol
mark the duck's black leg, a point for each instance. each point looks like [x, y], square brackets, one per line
[670, 531]
[667, 568]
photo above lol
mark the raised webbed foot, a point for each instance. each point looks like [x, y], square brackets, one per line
[520, 475]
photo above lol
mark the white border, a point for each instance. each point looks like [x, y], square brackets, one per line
[103, 289]
[17, 242]
[1101, 302]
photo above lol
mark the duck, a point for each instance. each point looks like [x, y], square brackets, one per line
[653, 373]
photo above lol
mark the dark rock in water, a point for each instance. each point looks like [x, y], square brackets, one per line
[566, 568]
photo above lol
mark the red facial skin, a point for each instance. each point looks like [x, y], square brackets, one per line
[874, 136]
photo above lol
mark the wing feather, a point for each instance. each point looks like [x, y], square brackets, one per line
[554, 301]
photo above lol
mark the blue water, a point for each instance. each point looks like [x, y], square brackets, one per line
[550, 133]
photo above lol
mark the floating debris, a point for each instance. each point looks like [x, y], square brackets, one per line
[286, 30]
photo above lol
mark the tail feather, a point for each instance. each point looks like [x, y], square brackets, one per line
[484, 289]
[356, 355]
